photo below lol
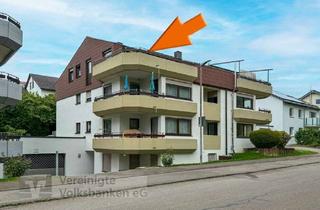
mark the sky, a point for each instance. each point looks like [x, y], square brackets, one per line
[283, 35]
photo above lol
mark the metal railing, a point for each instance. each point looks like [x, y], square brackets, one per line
[129, 135]
[312, 122]
[129, 92]
[265, 110]
[9, 77]
[7, 17]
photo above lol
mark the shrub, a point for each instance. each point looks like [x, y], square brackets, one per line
[308, 136]
[264, 138]
[167, 159]
[284, 139]
[16, 166]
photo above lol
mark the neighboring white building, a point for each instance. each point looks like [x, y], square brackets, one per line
[289, 114]
[312, 97]
[41, 84]
[104, 95]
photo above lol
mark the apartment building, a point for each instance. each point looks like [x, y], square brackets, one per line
[289, 113]
[132, 105]
[41, 84]
[312, 97]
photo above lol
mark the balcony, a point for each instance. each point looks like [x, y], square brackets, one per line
[212, 142]
[10, 90]
[143, 102]
[312, 122]
[132, 61]
[10, 37]
[252, 116]
[142, 143]
[255, 87]
[211, 111]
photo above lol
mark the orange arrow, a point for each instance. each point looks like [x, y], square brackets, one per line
[177, 34]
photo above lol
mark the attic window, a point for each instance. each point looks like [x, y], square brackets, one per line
[78, 71]
[71, 75]
[107, 53]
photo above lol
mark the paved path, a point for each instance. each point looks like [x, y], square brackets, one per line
[289, 188]
[110, 184]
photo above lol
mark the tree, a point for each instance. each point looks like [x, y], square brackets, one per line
[33, 115]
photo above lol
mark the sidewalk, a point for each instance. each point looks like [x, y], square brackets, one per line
[141, 178]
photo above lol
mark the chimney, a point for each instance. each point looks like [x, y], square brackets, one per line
[178, 55]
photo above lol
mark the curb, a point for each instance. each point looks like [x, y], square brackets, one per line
[18, 203]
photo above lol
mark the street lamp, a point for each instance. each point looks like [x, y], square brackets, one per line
[201, 114]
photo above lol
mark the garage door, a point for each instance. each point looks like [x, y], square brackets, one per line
[45, 164]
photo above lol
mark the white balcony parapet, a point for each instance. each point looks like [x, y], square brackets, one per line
[312, 122]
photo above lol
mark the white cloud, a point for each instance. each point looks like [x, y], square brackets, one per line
[286, 44]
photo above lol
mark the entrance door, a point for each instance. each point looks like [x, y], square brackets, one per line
[154, 125]
[153, 160]
[134, 161]
[106, 162]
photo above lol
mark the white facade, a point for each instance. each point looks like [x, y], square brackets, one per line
[78, 161]
[33, 87]
[69, 113]
[286, 116]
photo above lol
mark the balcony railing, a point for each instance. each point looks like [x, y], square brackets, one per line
[312, 122]
[129, 92]
[10, 19]
[9, 77]
[129, 135]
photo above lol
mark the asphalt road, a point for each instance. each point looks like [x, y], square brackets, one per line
[291, 188]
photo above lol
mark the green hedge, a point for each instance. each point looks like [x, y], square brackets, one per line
[265, 138]
[167, 159]
[308, 136]
[16, 166]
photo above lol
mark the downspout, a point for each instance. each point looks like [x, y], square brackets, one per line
[232, 110]
[226, 120]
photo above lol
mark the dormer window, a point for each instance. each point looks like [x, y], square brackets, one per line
[107, 53]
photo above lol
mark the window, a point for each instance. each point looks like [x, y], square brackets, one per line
[212, 157]
[107, 53]
[31, 85]
[71, 75]
[134, 123]
[178, 127]
[88, 96]
[244, 102]
[88, 127]
[244, 130]
[107, 90]
[291, 131]
[88, 72]
[212, 97]
[134, 86]
[78, 128]
[78, 71]
[313, 115]
[106, 126]
[300, 113]
[78, 98]
[211, 128]
[317, 101]
[291, 112]
[176, 91]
